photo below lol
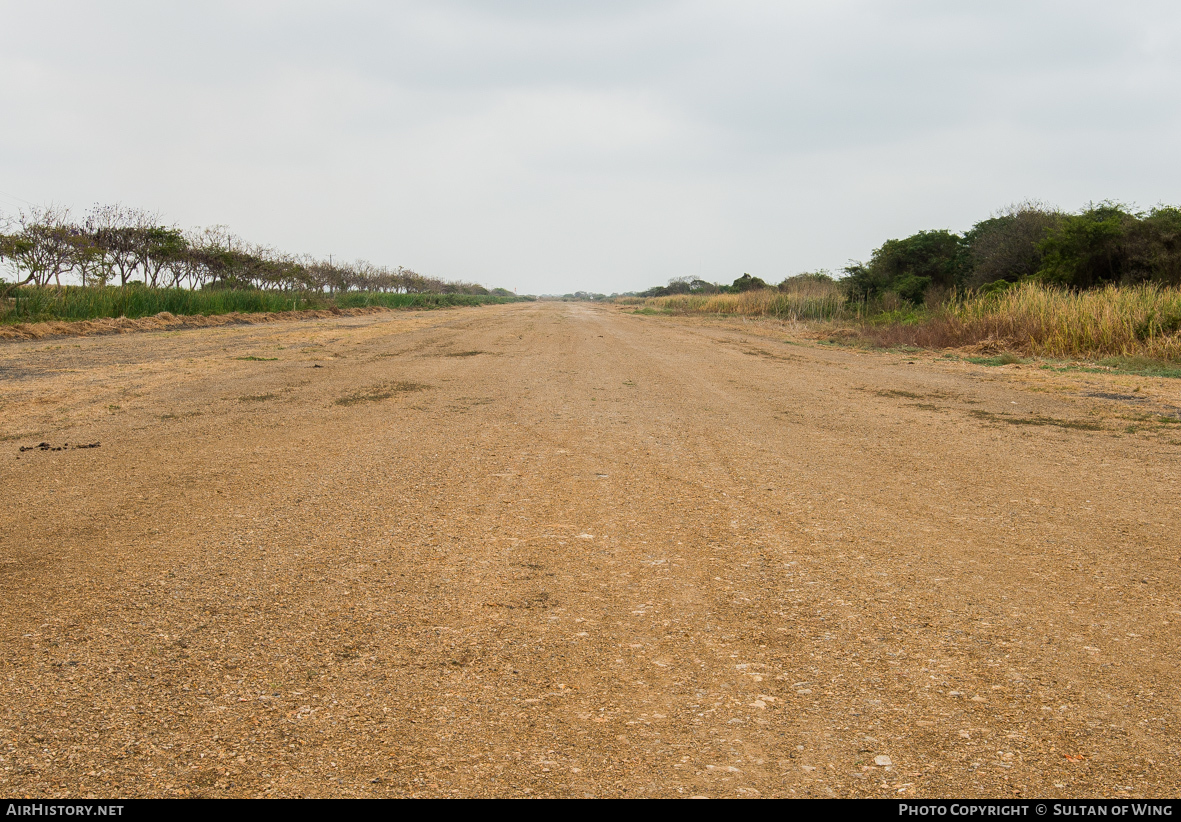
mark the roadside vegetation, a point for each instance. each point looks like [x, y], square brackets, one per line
[123, 262]
[1102, 283]
[41, 304]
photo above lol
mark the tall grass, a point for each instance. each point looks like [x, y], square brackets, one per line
[133, 302]
[808, 301]
[1140, 320]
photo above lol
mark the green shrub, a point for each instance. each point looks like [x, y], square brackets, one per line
[748, 283]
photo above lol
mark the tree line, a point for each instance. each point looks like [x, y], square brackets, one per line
[696, 285]
[120, 245]
[1102, 244]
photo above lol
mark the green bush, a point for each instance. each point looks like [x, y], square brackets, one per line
[748, 283]
[1087, 250]
[911, 287]
[1006, 247]
[911, 267]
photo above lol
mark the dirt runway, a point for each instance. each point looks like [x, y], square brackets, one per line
[556, 549]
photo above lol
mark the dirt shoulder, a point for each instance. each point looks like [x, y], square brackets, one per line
[553, 549]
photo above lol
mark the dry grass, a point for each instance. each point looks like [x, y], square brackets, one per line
[806, 301]
[1116, 321]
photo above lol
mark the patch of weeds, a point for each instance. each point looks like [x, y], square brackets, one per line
[114, 407]
[1080, 368]
[185, 415]
[26, 435]
[769, 355]
[465, 403]
[1136, 365]
[1081, 425]
[910, 395]
[257, 398]
[1001, 359]
[1107, 395]
[257, 359]
[465, 353]
[647, 312]
[900, 316]
[629, 383]
[381, 391]
[1145, 366]
[925, 406]
[1161, 424]
[847, 336]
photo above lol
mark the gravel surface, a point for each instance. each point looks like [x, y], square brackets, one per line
[562, 550]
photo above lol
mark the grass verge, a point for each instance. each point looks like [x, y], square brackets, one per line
[29, 305]
[1133, 329]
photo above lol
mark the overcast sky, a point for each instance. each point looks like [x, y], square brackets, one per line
[606, 146]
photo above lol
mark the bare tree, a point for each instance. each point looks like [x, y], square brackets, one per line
[217, 256]
[14, 248]
[157, 248]
[117, 243]
[44, 248]
[116, 230]
[88, 258]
